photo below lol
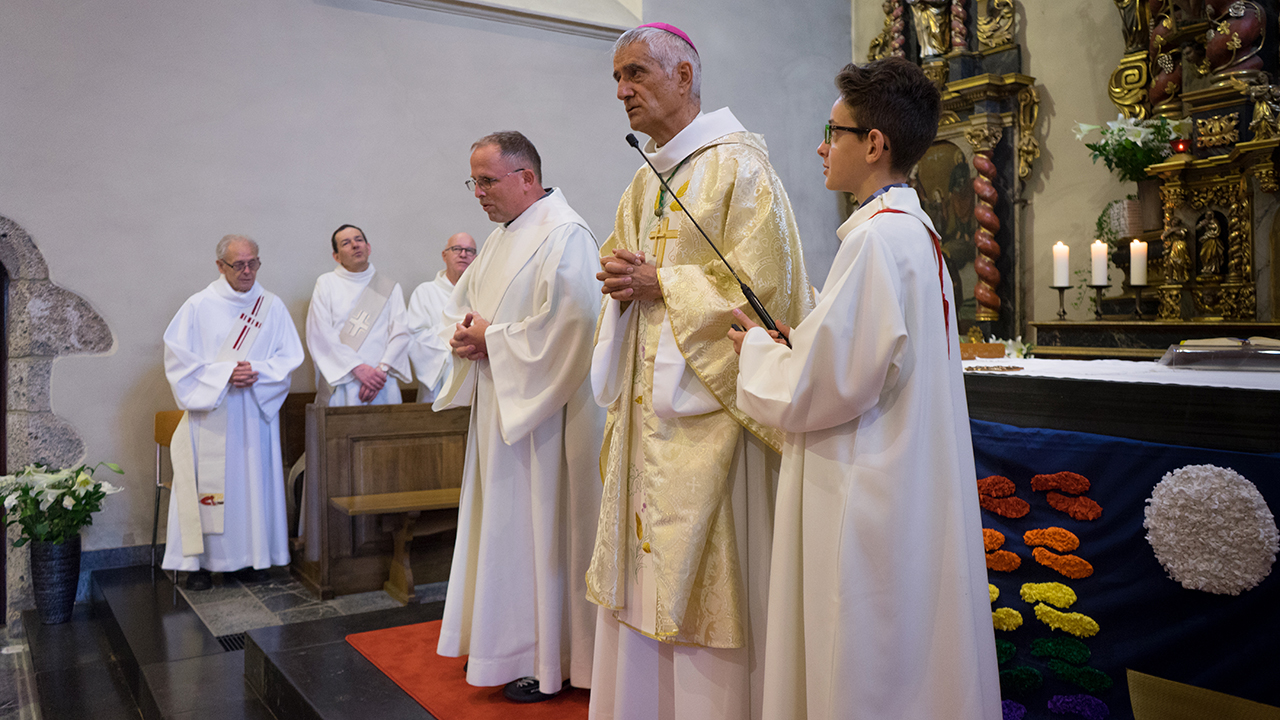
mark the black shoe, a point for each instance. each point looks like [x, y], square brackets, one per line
[251, 575]
[464, 665]
[199, 580]
[525, 690]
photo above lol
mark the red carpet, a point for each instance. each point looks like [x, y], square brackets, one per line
[408, 656]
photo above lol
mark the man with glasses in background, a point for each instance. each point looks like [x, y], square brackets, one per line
[228, 354]
[522, 319]
[430, 351]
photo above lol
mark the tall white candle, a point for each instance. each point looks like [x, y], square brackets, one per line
[1061, 264]
[1098, 253]
[1137, 263]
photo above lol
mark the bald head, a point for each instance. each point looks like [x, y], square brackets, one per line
[459, 251]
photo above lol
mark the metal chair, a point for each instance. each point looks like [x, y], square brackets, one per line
[166, 423]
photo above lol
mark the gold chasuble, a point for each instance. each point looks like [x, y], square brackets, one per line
[666, 537]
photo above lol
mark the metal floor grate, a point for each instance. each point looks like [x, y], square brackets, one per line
[231, 643]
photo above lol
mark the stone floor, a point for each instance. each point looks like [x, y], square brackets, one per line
[17, 682]
[232, 607]
[227, 609]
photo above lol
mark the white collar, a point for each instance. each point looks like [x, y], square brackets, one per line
[223, 289]
[901, 199]
[696, 134]
[346, 274]
[537, 211]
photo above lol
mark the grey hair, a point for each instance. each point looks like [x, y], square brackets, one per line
[226, 241]
[514, 146]
[668, 49]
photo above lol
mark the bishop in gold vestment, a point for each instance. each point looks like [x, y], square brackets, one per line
[680, 566]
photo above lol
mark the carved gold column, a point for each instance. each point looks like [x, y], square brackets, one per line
[984, 138]
[1176, 260]
[1239, 299]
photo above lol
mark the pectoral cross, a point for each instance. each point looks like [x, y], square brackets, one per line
[359, 324]
[659, 236]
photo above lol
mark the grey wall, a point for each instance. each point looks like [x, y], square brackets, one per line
[138, 132]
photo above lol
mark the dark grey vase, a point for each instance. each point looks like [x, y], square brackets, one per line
[55, 572]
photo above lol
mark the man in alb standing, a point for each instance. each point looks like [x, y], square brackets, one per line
[680, 566]
[356, 329]
[523, 316]
[430, 351]
[228, 354]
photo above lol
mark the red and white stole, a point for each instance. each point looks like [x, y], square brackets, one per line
[200, 476]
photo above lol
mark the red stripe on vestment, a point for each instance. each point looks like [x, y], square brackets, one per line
[937, 251]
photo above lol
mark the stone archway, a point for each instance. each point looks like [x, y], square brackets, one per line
[44, 322]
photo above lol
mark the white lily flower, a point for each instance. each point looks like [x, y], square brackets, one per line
[68, 502]
[1083, 129]
[1137, 134]
[84, 480]
[11, 501]
[108, 488]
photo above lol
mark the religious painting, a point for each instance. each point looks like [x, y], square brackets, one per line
[945, 185]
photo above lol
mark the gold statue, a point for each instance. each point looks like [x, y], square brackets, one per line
[932, 22]
[1209, 231]
[1178, 265]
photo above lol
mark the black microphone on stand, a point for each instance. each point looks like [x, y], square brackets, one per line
[752, 300]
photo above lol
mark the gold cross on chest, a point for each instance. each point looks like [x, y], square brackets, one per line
[661, 233]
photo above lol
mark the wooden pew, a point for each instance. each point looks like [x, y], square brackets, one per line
[357, 452]
[408, 506]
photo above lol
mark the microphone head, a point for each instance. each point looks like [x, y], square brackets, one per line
[632, 141]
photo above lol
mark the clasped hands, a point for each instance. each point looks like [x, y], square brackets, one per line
[468, 339]
[371, 381]
[626, 277]
[243, 375]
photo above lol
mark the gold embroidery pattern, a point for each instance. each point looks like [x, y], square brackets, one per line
[739, 202]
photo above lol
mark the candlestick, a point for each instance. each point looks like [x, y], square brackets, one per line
[1097, 298]
[1061, 265]
[1137, 263]
[1137, 300]
[1098, 254]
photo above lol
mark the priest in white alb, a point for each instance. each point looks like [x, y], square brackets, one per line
[228, 354]
[430, 352]
[878, 602]
[523, 317]
[356, 329]
[680, 566]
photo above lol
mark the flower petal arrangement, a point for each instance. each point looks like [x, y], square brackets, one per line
[54, 505]
[1211, 529]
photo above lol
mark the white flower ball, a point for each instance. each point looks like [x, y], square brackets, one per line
[1211, 529]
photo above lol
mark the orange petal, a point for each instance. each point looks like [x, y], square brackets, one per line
[1059, 539]
[992, 539]
[1065, 481]
[995, 486]
[1079, 508]
[1072, 566]
[1003, 561]
[1010, 507]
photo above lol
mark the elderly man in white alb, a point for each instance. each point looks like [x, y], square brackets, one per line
[228, 354]
[356, 329]
[430, 351]
[524, 316]
[681, 563]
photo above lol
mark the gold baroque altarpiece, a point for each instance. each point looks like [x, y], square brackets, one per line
[1212, 62]
[971, 181]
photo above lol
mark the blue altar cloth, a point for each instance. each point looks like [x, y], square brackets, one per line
[1148, 622]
